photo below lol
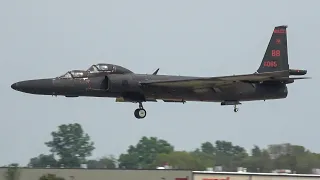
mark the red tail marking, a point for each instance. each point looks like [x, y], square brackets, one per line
[280, 31]
[270, 64]
[275, 53]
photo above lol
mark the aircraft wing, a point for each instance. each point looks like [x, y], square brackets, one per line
[220, 81]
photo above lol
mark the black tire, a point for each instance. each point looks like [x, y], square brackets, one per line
[140, 113]
[136, 113]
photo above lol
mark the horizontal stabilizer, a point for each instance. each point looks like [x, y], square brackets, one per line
[289, 78]
[296, 78]
[280, 79]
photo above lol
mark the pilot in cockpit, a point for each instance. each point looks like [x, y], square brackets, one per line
[101, 68]
[92, 69]
[74, 74]
[108, 68]
[95, 70]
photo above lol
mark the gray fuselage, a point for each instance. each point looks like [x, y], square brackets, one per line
[128, 86]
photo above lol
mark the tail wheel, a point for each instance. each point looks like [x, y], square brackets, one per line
[140, 113]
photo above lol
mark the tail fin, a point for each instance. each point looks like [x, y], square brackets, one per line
[276, 55]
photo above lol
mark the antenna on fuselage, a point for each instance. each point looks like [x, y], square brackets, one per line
[156, 72]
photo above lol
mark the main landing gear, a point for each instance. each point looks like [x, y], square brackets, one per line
[235, 109]
[140, 112]
[234, 103]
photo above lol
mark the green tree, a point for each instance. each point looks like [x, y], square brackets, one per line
[71, 144]
[277, 150]
[294, 157]
[229, 156]
[144, 153]
[43, 161]
[206, 155]
[50, 177]
[259, 161]
[104, 162]
[206, 159]
[298, 150]
[147, 154]
[256, 151]
[13, 172]
[265, 161]
[207, 148]
[306, 162]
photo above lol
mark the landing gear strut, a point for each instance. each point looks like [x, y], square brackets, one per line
[140, 112]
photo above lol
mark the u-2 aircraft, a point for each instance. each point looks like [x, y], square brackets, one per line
[110, 80]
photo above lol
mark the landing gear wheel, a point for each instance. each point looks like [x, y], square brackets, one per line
[235, 109]
[140, 113]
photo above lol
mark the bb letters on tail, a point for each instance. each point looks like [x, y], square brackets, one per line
[276, 55]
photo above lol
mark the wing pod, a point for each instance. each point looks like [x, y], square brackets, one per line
[299, 72]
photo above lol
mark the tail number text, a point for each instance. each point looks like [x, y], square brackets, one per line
[275, 53]
[270, 64]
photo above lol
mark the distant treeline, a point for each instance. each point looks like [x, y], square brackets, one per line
[73, 146]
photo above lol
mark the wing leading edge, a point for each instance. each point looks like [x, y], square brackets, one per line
[222, 80]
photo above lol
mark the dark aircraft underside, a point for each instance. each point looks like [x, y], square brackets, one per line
[228, 95]
[260, 92]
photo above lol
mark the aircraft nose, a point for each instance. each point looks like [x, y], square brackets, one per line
[38, 86]
[14, 86]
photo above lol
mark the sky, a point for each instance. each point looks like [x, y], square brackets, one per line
[43, 39]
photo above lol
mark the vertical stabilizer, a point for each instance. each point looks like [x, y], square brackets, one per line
[276, 55]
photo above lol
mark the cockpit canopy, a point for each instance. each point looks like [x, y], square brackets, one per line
[101, 67]
[97, 68]
[108, 68]
[75, 74]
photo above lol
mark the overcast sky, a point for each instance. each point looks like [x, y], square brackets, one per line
[41, 39]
